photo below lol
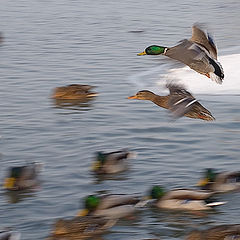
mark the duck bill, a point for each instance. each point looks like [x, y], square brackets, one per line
[95, 166]
[9, 183]
[83, 213]
[203, 182]
[132, 97]
[142, 53]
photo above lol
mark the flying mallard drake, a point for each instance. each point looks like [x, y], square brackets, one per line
[73, 92]
[8, 234]
[22, 178]
[199, 53]
[182, 199]
[220, 182]
[112, 162]
[180, 102]
[80, 228]
[221, 232]
[112, 206]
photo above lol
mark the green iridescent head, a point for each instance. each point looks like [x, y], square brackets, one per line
[153, 50]
[101, 157]
[157, 192]
[210, 174]
[92, 202]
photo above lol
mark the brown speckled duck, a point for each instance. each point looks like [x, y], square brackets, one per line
[180, 102]
[80, 228]
[199, 53]
[73, 92]
[222, 232]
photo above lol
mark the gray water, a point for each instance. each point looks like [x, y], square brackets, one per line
[54, 43]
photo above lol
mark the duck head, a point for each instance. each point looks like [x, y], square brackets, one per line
[100, 160]
[209, 176]
[157, 192]
[15, 173]
[90, 204]
[143, 95]
[153, 50]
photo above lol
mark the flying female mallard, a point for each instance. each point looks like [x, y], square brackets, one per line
[180, 102]
[199, 53]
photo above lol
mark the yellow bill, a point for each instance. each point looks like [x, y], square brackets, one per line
[202, 182]
[95, 166]
[9, 183]
[82, 213]
[132, 97]
[142, 53]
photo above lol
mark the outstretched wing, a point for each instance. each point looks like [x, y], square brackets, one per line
[204, 39]
[180, 100]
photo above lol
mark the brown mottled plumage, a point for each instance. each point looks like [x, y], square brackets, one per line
[222, 232]
[179, 102]
[73, 92]
[80, 227]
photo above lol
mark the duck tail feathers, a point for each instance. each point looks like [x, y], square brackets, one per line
[132, 155]
[218, 74]
[215, 204]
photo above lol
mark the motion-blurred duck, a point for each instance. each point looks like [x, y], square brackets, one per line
[9, 235]
[220, 182]
[80, 228]
[73, 92]
[222, 232]
[112, 206]
[180, 102]
[199, 53]
[182, 199]
[22, 178]
[112, 162]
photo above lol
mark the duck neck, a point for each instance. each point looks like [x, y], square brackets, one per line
[161, 101]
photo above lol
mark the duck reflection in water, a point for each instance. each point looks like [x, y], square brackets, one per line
[18, 196]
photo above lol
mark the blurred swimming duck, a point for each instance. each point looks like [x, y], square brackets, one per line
[221, 232]
[112, 206]
[183, 199]
[22, 178]
[8, 234]
[73, 92]
[220, 182]
[80, 227]
[112, 162]
[199, 53]
[180, 102]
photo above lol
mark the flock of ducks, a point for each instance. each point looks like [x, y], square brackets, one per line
[101, 212]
